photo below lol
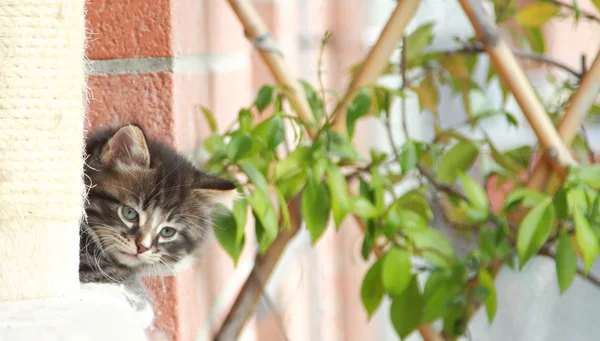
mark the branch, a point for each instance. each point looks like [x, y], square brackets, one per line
[442, 187]
[478, 48]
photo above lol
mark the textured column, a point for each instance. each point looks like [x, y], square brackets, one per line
[41, 142]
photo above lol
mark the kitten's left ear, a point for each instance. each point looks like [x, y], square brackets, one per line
[128, 146]
[218, 190]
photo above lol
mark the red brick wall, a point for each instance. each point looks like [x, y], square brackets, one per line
[155, 62]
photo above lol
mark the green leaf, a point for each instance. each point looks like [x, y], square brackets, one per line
[396, 273]
[457, 160]
[561, 207]
[340, 200]
[475, 193]
[214, 143]
[266, 225]
[372, 291]
[360, 106]
[536, 39]
[427, 93]
[315, 207]
[456, 64]
[240, 212]
[503, 160]
[597, 4]
[340, 145]
[245, 119]
[255, 176]
[264, 97]
[210, 119]
[363, 208]
[314, 101]
[537, 14]
[226, 232]
[266, 230]
[486, 280]
[295, 161]
[511, 119]
[397, 219]
[434, 246]
[409, 156]
[589, 175]
[523, 196]
[588, 243]
[577, 199]
[293, 184]
[407, 309]
[418, 40]
[284, 211]
[276, 132]
[534, 230]
[577, 10]
[239, 146]
[416, 201]
[566, 262]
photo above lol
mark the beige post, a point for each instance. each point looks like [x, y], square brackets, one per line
[41, 143]
[579, 106]
[511, 73]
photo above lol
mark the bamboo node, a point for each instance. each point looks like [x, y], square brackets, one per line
[489, 35]
[264, 43]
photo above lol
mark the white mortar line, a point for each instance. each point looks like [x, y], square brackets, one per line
[186, 64]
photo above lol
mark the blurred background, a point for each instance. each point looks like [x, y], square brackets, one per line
[157, 62]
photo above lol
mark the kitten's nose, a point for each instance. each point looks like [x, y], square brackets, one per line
[141, 248]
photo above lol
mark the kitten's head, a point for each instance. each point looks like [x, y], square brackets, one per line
[148, 206]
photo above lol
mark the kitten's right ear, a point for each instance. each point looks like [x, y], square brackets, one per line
[127, 146]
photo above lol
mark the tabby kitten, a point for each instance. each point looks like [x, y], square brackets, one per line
[148, 209]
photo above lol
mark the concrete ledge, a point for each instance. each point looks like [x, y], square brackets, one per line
[101, 312]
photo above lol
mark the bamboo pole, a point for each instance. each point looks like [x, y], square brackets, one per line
[511, 73]
[579, 105]
[378, 57]
[257, 31]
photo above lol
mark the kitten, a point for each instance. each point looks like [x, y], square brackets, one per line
[148, 209]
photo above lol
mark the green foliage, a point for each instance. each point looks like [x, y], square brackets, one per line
[280, 170]
[372, 289]
[566, 262]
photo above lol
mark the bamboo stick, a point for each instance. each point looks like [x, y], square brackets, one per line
[579, 105]
[257, 31]
[378, 57]
[511, 73]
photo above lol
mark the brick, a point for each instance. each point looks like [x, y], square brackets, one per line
[206, 27]
[190, 29]
[128, 28]
[280, 17]
[146, 99]
[191, 93]
[229, 91]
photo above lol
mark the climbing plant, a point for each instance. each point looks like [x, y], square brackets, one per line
[290, 179]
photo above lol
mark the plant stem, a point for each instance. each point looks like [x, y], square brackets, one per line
[446, 188]
[478, 48]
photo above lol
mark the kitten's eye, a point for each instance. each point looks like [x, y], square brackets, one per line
[129, 213]
[168, 232]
